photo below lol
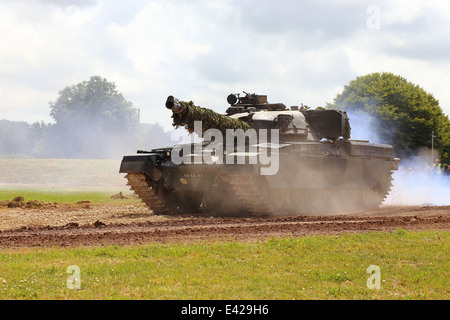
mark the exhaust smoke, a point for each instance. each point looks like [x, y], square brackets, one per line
[415, 182]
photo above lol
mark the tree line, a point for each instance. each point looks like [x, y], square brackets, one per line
[92, 120]
[406, 115]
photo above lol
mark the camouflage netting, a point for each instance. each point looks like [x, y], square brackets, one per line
[210, 119]
[348, 129]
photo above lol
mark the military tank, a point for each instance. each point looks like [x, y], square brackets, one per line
[261, 158]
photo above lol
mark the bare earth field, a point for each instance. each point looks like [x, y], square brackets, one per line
[89, 224]
[94, 224]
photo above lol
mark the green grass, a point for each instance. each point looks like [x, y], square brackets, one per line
[414, 265]
[62, 180]
[101, 195]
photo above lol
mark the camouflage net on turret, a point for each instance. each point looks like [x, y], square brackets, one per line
[348, 129]
[209, 118]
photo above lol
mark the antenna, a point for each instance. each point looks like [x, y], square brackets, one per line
[432, 146]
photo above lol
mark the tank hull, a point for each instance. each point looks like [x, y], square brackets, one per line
[311, 178]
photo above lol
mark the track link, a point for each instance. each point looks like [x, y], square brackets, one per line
[385, 186]
[248, 192]
[141, 184]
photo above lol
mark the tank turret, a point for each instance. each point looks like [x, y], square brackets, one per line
[253, 111]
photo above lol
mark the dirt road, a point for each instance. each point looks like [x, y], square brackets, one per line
[93, 225]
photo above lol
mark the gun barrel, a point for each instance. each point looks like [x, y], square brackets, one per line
[185, 114]
[174, 104]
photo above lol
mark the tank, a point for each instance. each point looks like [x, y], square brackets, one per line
[260, 158]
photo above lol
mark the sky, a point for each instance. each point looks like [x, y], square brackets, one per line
[290, 50]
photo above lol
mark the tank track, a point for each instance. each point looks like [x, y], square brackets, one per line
[384, 186]
[248, 192]
[141, 184]
[369, 198]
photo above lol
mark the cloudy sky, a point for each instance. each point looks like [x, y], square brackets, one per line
[293, 51]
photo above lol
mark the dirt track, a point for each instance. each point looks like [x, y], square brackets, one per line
[92, 225]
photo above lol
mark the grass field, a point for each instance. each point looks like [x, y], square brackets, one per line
[413, 265]
[100, 195]
[61, 180]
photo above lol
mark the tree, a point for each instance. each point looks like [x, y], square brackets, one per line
[20, 139]
[407, 115]
[92, 120]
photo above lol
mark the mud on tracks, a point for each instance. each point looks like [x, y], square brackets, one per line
[94, 225]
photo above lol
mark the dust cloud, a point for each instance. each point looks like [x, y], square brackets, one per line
[415, 182]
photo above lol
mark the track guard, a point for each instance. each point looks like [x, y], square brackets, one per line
[142, 163]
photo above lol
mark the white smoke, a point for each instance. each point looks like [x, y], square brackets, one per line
[415, 182]
[363, 127]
